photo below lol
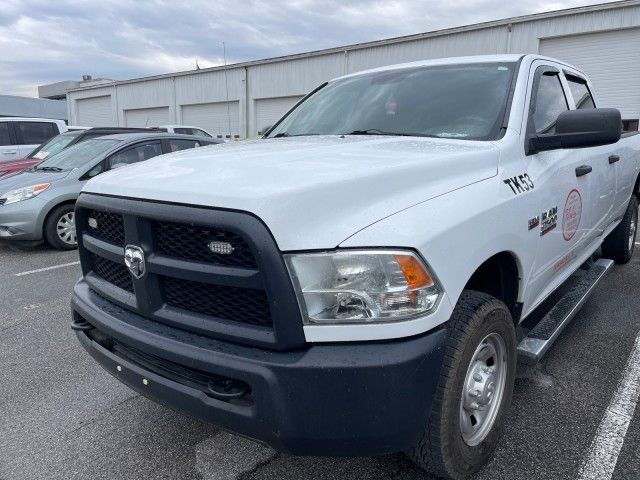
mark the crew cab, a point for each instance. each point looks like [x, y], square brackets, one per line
[362, 279]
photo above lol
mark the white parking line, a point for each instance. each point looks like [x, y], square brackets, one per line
[46, 269]
[607, 444]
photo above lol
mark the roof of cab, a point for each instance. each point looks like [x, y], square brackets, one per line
[441, 61]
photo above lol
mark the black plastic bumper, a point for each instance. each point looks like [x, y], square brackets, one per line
[332, 399]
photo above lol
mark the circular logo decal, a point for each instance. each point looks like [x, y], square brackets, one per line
[572, 214]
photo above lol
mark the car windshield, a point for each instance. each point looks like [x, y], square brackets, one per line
[78, 155]
[449, 101]
[53, 146]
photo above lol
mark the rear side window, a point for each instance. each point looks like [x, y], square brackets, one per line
[550, 103]
[5, 139]
[200, 133]
[139, 153]
[35, 133]
[581, 94]
[183, 131]
[180, 144]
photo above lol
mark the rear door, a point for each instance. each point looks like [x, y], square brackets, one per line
[8, 148]
[602, 177]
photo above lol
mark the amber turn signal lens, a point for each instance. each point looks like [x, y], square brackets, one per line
[414, 273]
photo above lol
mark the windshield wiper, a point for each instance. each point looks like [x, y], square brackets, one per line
[280, 135]
[376, 131]
[49, 169]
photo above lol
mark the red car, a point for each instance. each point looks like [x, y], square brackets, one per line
[14, 166]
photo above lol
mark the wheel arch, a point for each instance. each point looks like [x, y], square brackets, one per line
[636, 187]
[45, 218]
[500, 276]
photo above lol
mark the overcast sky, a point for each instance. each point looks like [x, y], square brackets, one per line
[45, 41]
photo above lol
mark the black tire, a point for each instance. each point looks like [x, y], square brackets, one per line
[620, 243]
[51, 228]
[442, 449]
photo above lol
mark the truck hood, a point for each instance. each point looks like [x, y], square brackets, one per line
[312, 192]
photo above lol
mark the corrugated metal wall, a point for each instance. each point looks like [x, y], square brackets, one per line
[292, 77]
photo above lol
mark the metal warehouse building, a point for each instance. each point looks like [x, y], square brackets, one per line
[603, 40]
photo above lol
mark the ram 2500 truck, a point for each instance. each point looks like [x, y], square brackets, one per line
[359, 280]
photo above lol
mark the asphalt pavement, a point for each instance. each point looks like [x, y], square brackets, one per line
[63, 417]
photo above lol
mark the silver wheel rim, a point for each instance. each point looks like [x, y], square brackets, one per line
[632, 231]
[66, 229]
[483, 389]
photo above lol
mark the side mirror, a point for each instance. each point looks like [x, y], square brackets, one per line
[579, 129]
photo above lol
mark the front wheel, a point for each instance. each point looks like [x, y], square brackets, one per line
[620, 243]
[60, 228]
[474, 390]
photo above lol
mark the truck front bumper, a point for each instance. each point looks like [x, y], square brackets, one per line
[332, 399]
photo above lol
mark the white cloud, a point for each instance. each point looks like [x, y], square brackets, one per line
[43, 41]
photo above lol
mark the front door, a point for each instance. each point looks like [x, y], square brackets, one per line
[562, 222]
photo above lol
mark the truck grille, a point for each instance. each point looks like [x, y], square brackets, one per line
[112, 272]
[238, 304]
[191, 242]
[215, 289]
[109, 227]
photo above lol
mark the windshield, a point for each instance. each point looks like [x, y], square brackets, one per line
[53, 146]
[450, 101]
[78, 155]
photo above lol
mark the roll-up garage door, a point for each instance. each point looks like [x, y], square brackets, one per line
[146, 117]
[270, 110]
[95, 112]
[612, 61]
[213, 117]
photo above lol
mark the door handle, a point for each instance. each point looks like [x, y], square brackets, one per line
[583, 170]
[613, 159]
[10, 152]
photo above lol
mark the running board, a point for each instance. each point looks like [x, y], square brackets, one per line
[533, 347]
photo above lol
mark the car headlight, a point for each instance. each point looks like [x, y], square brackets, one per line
[24, 193]
[362, 286]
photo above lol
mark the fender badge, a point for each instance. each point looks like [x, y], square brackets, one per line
[534, 222]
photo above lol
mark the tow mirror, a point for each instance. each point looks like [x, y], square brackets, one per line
[579, 129]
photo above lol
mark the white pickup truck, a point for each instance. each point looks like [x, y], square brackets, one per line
[363, 279]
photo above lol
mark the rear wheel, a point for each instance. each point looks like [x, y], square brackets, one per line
[60, 228]
[620, 243]
[474, 391]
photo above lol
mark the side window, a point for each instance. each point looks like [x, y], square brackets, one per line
[176, 144]
[200, 133]
[5, 138]
[580, 92]
[135, 154]
[183, 131]
[97, 170]
[35, 133]
[550, 102]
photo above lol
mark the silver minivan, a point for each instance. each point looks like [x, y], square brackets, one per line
[38, 204]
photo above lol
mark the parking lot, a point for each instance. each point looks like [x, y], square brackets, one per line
[62, 416]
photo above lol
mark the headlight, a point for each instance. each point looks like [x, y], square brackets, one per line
[357, 286]
[23, 193]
